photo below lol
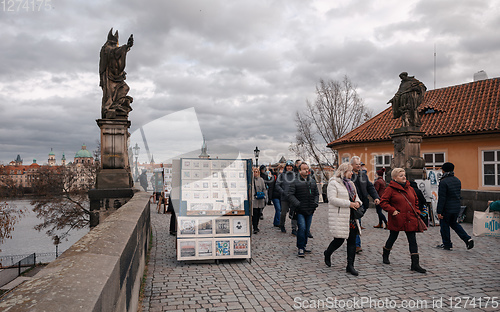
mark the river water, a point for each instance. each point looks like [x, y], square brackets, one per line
[26, 240]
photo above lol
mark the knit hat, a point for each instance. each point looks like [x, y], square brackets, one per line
[380, 172]
[289, 163]
[447, 167]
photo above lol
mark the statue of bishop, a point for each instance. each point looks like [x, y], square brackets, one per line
[115, 101]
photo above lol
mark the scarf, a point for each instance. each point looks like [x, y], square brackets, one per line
[402, 184]
[447, 174]
[350, 190]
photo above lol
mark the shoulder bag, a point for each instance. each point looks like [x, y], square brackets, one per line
[259, 195]
[357, 213]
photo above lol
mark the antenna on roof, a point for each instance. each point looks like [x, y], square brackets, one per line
[434, 66]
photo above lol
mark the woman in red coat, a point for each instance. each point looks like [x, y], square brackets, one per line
[400, 202]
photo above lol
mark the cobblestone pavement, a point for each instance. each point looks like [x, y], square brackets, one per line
[277, 280]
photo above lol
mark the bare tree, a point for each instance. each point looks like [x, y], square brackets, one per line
[61, 198]
[9, 216]
[337, 110]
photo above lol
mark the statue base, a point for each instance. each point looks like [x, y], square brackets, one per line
[103, 202]
[114, 181]
[114, 178]
[406, 142]
[114, 138]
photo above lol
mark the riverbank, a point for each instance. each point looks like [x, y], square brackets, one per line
[26, 240]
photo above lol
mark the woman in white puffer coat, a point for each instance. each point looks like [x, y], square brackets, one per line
[342, 197]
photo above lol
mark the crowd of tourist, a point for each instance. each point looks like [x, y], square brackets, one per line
[293, 191]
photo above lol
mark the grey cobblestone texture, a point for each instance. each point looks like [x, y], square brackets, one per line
[277, 280]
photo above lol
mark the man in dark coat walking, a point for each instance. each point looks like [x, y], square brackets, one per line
[303, 196]
[448, 208]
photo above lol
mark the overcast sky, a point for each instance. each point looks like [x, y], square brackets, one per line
[235, 71]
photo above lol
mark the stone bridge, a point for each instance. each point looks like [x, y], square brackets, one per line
[101, 272]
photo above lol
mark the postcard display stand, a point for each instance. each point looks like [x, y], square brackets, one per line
[214, 209]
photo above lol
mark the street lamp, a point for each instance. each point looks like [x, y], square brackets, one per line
[136, 149]
[256, 152]
[57, 241]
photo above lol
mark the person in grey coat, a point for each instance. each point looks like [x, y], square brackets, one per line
[257, 204]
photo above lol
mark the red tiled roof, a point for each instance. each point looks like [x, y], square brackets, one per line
[470, 108]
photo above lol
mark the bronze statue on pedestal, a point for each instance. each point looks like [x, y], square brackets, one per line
[115, 101]
[406, 101]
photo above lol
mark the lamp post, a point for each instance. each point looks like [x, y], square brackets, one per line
[57, 241]
[136, 149]
[256, 152]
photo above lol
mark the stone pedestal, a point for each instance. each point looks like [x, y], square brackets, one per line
[115, 165]
[406, 142]
[114, 181]
[114, 137]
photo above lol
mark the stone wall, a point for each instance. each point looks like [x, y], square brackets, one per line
[100, 272]
[477, 201]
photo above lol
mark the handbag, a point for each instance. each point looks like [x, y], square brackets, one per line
[259, 195]
[358, 213]
[421, 227]
[486, 223]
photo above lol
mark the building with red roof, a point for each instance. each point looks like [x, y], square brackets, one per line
[461, 125]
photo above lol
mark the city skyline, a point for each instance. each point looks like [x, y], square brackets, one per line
[235, 72]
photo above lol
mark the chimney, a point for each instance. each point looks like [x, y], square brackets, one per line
[480, 75]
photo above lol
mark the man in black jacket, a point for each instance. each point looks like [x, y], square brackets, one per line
[364, 188]
[282, 185]
[448, 208]
[303, 196]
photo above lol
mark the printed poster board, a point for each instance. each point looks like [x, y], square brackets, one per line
[214, 208]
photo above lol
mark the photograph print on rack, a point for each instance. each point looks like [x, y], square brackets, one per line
[222, 248]
[240, 247]
[187, 226]
[222, 226]
[187, 249]
[240, 226]
[205, 227]
[205, 248]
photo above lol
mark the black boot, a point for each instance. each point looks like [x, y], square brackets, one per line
[334, 245]
[385, 255]
[351, 255]
[328, 261]
[415, 265]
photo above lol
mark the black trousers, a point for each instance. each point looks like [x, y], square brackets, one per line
[173, 222]
[337, 242]
[256, 217]
[412, 241]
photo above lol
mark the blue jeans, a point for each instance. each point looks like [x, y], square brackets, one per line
[381, 216]
[277, 213]
[450, 220]
[358, 239]
[304, 224]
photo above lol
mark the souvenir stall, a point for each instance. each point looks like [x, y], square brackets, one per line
[211, 199]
